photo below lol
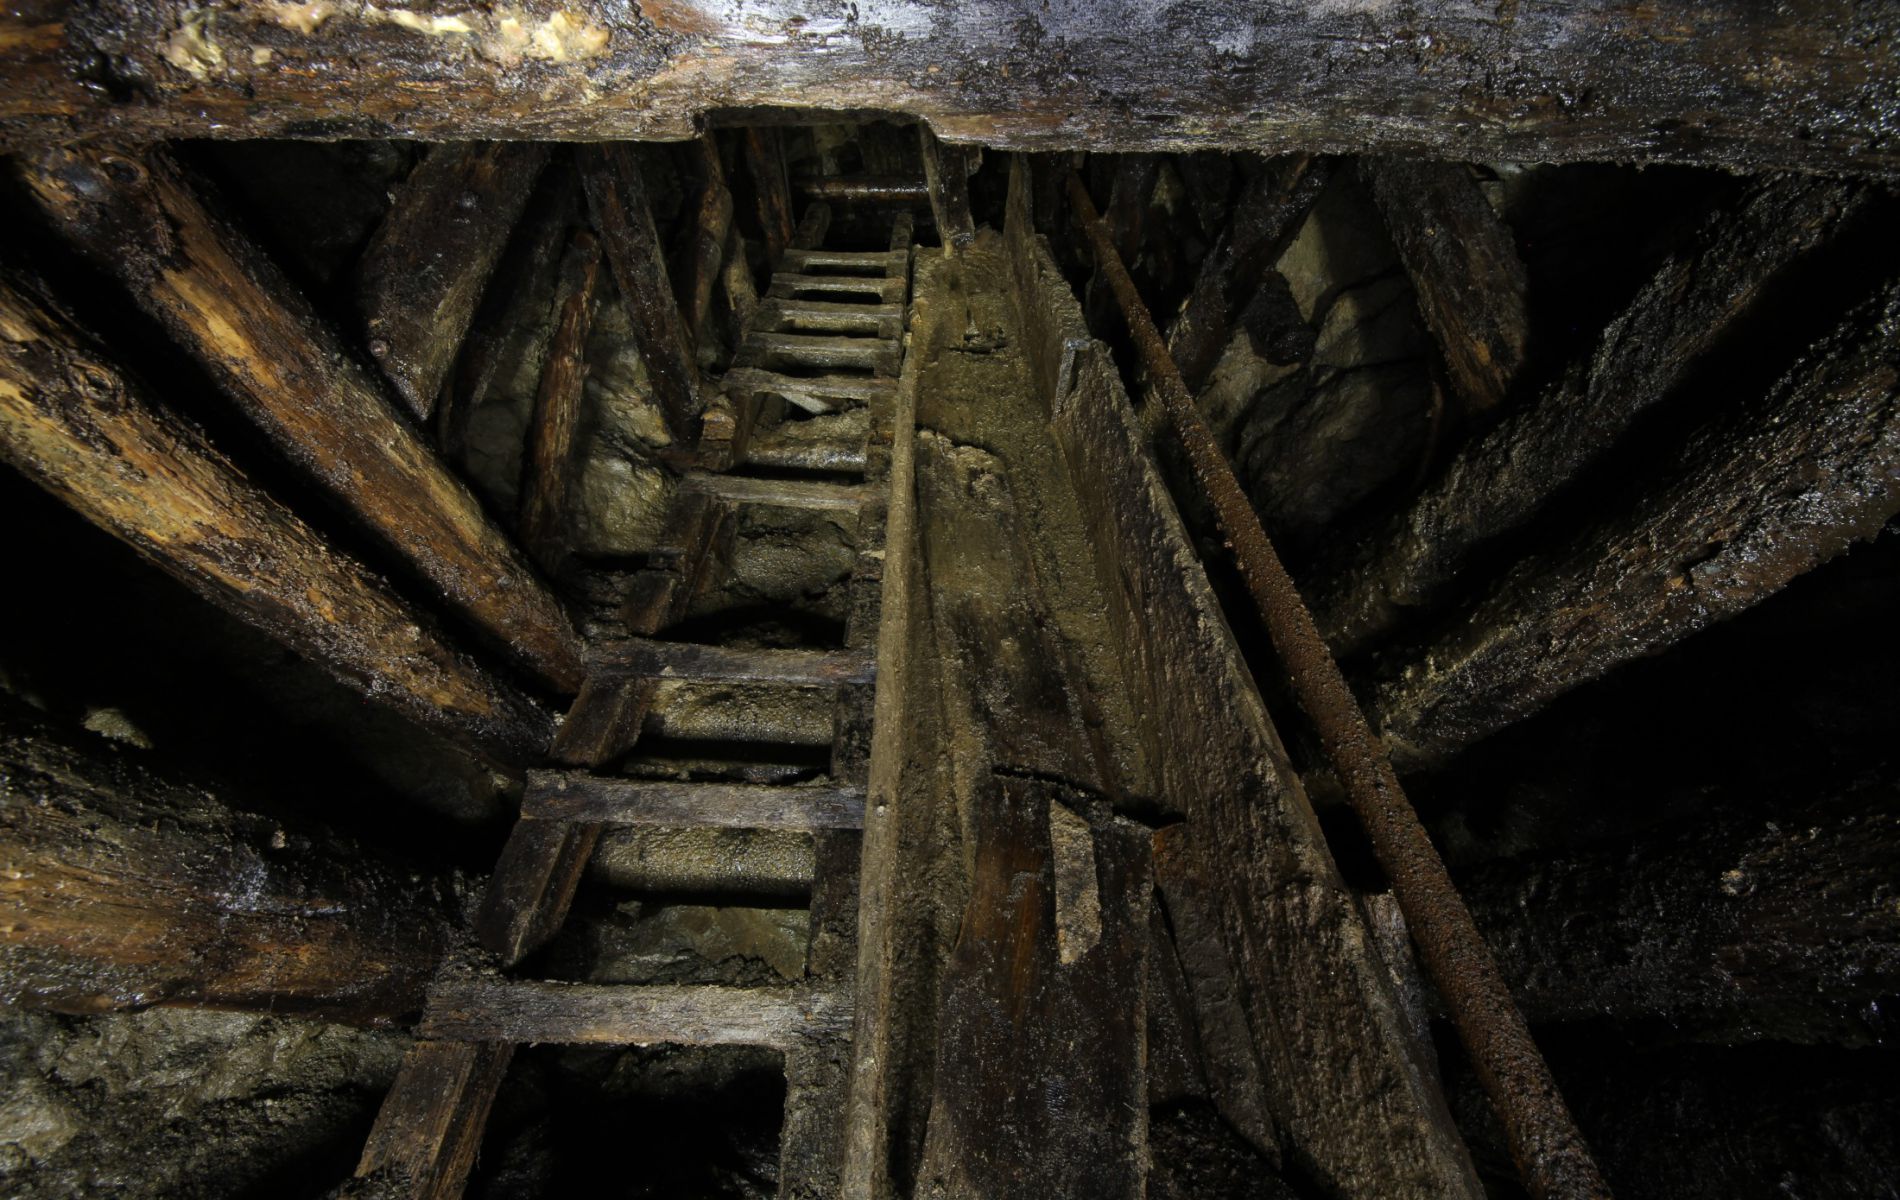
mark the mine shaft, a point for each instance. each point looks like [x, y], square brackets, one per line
[950, 601]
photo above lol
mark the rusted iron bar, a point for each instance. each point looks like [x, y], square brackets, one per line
[1549, 1151]
[862, 189]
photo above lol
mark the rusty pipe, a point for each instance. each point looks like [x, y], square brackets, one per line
[1549, 1151]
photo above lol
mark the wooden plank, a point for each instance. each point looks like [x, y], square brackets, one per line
[817, 350]
[1755, 499]
[554, 430]
[947, 171]
[817, 1071]
[221, 298]
[617, 196]
[712, 224]
[765, 163]
[556, 795]
[1594, 81]
[72, 422]
[791, 286]
[843, 262]
[1465, 271]
[422, 274]
[818, 393]
[579, 1014]
[698, 529]
[1500, 481]
[1345, 1080]
[533, 886]
[777, 451]
[129, 885]
[816, 494]
[720, 664]
[429, 1129]
[883, 320]
[812, 227]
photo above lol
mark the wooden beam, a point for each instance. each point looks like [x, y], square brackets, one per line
[947, 171]
[617, 195]
[1465, 271]
[1500, 481]
[699, 528]
[1268, 215]
[556, 795]
[430, 1126]
[554, 433]
[1593, 81]
[579, 1014]
[702, 256]
[817, 494]
[718, 664]
[814, 393]
[136, 216]
[73, 422]
[127, 885]
[423, 272]
[1750, 503]
[765, 163]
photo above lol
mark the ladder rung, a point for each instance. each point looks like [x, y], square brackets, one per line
[530, 1011]
[777, 493]
[579, 796]
[816, 394]
[780, 316]
[789, 286]
[721, 664]
[882, 261]
[822, 350]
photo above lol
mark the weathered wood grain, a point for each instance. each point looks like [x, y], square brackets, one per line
[1753, 501]
[533, 886]
[719, 664]
[698, 530]
[71, 421]
[947, 175]
[1344, 1079]
[771, 189]
[554, 795]
[1500, 481]
[136, 215]
[617, 195]
[1593, 80]
[554, 431]
[430, 1126]
[127, 885]
[424, 269]
[818, 494]
[574, 1013]
[1465, 271]
[701, 258]
[814, 393]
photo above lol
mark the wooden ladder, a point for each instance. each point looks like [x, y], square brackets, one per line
[430, 1128]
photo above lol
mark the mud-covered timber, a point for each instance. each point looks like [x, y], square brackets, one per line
[72, 422]
[1590, 81]
[1751, 502]
[127, 887]
[1500, 481]
[1545, 1143]
[137, 216]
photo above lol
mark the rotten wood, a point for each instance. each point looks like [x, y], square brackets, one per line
[780, 351]
[549, 467]
[1754, 500]
[128, 886]
[1344, 1079]
[429, 1129]
[136, 216]
[765, 164]
[422, 274]
[73, 422]
[1500, 481]
[1265, 219]
[947, 170]
[577, 1014]
[1545, 1143]
[617, 196]
[719, 664]
[1465, 271]
[555, 795]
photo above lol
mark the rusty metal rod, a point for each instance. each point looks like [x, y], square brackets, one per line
[862, 189]
[1549, 1151]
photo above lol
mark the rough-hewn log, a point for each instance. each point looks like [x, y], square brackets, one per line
[816, 494]
[429, 1130]
[136, 215]
[765, 164]
[617, 195]
[548, 471]
[1751, 502]
[701, 257]
[1500, 481]
[947, 174]
[1780, 928]
[555, 795]
[74, 424]
[127, 887]
[1594, 80]
[423, 272]
[1465, 271]
[1265, 219]
[707, 1015]
[1344, 1078]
